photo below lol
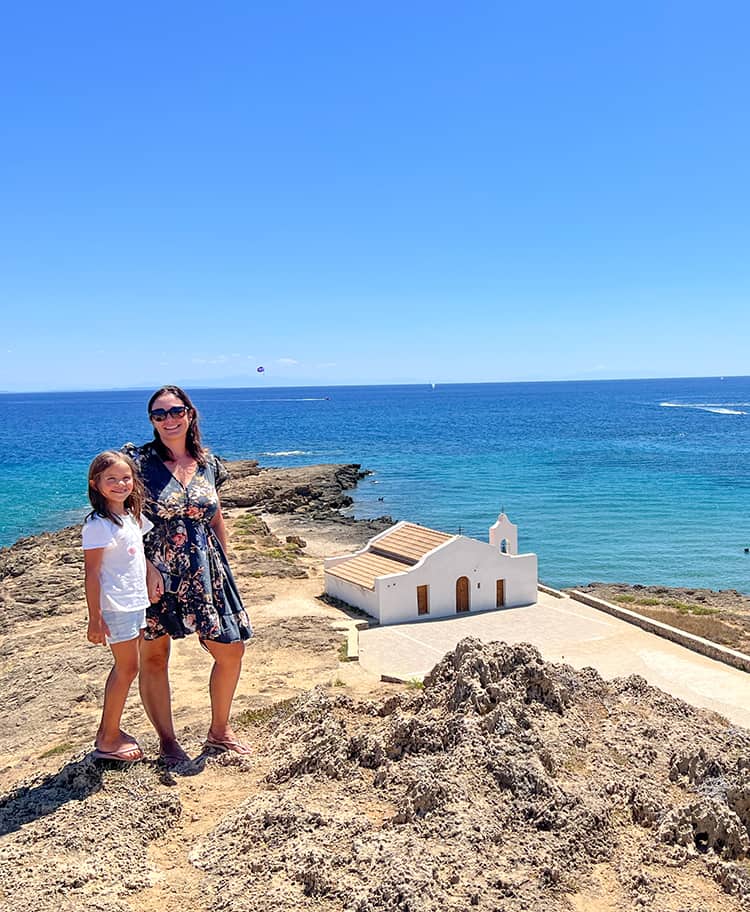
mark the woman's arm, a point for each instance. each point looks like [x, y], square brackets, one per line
[220, 529]
[97, 629]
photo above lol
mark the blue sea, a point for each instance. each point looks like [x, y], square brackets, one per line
[641, 481]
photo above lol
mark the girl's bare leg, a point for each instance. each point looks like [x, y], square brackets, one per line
[153, 684]
[110, 737]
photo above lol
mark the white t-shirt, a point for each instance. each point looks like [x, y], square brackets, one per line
[123, 572]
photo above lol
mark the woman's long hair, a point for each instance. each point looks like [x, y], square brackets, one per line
[193, 440]
[136, 498]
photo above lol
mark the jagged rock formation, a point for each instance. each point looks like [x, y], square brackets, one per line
[506, 784]
[500, 786]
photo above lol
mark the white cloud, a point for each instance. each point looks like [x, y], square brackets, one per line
[287, 361]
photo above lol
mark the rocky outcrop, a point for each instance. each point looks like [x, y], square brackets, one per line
[315, 491]
[670, 596]
[502, 785]
[80, 838]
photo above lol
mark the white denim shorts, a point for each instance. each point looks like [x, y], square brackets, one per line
[124, 625]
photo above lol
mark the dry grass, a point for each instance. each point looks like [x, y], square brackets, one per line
[708, 626]
[722, 617]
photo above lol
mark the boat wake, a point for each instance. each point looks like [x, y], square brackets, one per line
[717, 408]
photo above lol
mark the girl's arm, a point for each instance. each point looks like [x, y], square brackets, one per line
[220, 530]
[92, 561]
[155, 566]
[154, 583]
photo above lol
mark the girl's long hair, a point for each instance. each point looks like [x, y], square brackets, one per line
[193, 440]
[134, 502]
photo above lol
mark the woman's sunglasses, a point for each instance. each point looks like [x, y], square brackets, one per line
[159, 415]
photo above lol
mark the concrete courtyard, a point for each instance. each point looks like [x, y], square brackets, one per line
[565, 631]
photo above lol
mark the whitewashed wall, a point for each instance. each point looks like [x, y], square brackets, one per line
[356, 596]
[480, 562]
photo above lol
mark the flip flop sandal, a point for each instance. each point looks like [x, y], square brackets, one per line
[125, 755]
[236, 747]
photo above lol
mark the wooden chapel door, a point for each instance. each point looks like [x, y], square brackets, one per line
[462, 594]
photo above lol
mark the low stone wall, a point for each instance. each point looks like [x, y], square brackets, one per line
[550, 591]
[682, 637]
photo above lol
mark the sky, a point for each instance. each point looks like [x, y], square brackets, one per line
[360, 192]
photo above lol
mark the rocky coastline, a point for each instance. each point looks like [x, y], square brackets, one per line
[502, 783]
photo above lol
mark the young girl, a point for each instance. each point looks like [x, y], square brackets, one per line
[116, 591]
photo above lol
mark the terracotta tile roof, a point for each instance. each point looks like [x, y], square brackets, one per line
[395, 552]
[409, 542]
[365, 568]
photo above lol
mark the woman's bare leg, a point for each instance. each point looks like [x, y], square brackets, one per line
[153, 684]
[224, 677]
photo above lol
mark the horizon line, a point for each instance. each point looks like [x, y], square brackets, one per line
[203, 385]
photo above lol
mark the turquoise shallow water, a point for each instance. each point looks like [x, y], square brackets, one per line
[641, 481]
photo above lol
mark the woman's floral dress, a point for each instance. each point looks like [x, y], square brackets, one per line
[200, 594]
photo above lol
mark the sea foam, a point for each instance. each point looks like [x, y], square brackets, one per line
[288, 453]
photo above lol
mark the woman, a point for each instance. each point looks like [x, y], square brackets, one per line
[193, 590]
